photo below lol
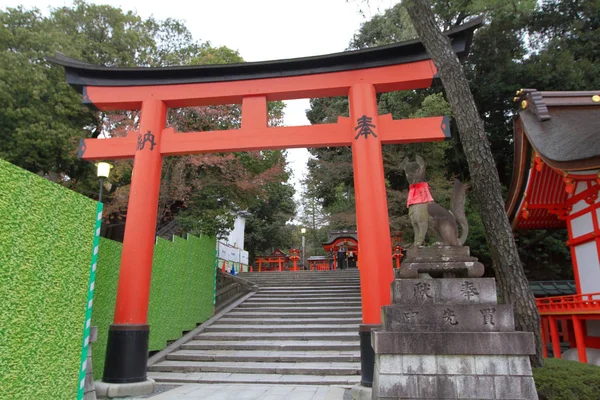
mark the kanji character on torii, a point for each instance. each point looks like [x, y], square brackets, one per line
[359, 75]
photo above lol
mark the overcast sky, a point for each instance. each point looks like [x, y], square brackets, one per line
[260, 30]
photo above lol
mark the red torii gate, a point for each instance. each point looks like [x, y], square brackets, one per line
[360, 75]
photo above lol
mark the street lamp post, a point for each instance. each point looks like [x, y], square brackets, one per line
[103, 170]
[303, 230]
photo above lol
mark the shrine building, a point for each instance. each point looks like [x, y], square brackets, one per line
[342, 246]
[555, 184]
[276, 261]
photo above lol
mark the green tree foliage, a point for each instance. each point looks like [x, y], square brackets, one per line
[42, 118]
[266, 227]
[553, 45]
[40, 115]
[313, 217]
[330, 170]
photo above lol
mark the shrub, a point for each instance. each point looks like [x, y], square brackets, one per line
[567, 380]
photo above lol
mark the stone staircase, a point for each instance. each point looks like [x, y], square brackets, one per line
[300, 328]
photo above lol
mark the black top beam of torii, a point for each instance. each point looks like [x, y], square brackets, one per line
[81, 74]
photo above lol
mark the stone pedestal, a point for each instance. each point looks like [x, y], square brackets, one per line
[448, 338]
[440, 260]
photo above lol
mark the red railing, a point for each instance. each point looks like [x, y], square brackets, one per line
[573, 304]
[320, 267]
[564, 319]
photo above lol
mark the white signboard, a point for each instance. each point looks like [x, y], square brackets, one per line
[234, 254]
[230, 253]
[223, 251]
[244, 257]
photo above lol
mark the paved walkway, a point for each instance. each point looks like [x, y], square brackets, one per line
[251, 392]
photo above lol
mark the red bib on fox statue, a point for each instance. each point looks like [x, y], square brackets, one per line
[418, 193]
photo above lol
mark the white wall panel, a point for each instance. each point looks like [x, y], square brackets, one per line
[236, 236]
[588, 266]
[582, 225]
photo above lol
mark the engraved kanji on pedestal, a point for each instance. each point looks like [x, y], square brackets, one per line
[449, 338]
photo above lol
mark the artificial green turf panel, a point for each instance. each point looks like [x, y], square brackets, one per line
[46, 236]
[181, 293]
[105, 292]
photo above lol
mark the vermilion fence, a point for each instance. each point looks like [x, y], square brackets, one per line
[564, 319]
[578, 303]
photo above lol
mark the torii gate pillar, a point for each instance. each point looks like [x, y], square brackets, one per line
[372, 218]
[127, 346]
[372, 222]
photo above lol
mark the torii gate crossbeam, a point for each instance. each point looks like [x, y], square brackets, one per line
[359, 75]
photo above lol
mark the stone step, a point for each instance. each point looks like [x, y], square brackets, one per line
[312, 278]
[298, 368]
[296, 304]
[339, 308]
[302, 296]
[225, 377]
[308, 283]
[270, 345]
[336, 272]
[307, 294]
[265, 356]
[252, 314]
[259, 298]
[300, 328]
[290, 300]
[290, 321]
[283, 328]
[322, 281]
[310, 289]
[278, 336]
[309, 286]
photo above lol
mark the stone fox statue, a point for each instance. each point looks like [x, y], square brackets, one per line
[424, 213]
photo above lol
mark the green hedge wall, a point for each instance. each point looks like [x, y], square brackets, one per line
[181, 293]
[46, 237]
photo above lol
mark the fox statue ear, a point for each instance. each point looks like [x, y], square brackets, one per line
[420, 161]
[404, 163]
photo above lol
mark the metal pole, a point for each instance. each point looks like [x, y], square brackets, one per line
[303, 253]
[101, 189]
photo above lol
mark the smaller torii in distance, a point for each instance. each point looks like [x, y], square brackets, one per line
[360, 75]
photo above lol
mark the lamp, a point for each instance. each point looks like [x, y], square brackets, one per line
[102, 171]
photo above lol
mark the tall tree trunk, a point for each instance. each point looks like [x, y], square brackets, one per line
[507, 266]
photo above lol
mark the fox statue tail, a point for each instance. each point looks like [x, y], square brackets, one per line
[457, 207]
